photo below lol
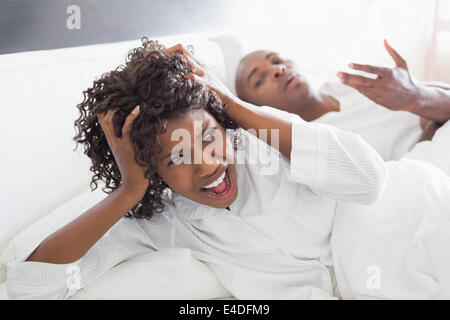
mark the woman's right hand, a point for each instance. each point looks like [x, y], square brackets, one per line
[132, 173]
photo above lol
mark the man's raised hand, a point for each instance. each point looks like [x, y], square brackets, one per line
[392, 88]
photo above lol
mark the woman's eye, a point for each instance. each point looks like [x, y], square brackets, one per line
[208, 135]
[175, 160]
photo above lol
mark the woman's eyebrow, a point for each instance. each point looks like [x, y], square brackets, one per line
[198, 138]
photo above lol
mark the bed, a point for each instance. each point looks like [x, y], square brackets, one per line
[40, 91]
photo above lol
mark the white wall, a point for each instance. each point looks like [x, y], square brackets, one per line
[323, 36]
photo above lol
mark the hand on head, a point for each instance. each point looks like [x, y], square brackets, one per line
[201, 74]
[131, 172]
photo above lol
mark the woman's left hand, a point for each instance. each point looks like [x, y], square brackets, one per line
[202, 75]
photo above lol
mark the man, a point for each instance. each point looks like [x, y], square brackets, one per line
[391, 112]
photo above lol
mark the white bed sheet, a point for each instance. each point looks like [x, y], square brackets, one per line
[399, 247]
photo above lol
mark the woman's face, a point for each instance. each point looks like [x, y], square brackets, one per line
[197, 159]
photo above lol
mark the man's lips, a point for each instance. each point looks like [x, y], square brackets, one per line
[288, 80]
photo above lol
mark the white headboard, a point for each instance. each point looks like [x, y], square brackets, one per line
[39, 94]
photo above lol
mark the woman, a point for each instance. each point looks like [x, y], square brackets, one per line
[265, 236]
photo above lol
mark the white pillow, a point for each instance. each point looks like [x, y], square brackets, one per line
[233, 50]
[167, 274]
[23, 244]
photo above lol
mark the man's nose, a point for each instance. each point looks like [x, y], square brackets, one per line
[277, 71]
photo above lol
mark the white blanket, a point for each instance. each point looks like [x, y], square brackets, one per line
[399, 247]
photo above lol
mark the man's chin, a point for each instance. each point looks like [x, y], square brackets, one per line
[301, 94]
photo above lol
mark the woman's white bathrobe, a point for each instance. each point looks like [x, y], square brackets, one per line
[274, 243]
[335, 213]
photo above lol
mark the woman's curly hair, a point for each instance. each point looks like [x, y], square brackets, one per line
[156, 81]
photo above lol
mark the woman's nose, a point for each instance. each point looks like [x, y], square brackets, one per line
[209, 163]
[278, 70]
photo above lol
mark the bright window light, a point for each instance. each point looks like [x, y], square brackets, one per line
[444, 10]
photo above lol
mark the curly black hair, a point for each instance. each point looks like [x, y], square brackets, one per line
[156, 81]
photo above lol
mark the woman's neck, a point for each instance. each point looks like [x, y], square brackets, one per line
[317, 105]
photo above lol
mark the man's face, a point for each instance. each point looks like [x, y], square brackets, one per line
[266, 78]
[197, 159]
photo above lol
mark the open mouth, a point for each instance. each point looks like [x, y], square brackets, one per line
[221, 188]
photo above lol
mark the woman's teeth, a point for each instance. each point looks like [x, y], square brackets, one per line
[217, 182]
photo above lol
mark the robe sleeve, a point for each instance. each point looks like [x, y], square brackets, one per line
[125, 240]
[332, 162]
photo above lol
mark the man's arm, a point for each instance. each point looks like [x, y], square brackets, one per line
[429, 128]
[437, 84]
[395, 89]
[433, 104]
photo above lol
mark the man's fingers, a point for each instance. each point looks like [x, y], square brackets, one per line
[354, 80]
[368, 68]
[126, 129]
[399, 61]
